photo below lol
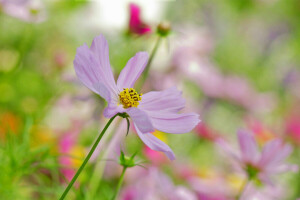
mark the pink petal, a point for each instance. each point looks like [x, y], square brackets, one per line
[155, 144]
[100, 49]
[273, 153]
[226, 148]
[169, 100]
[133, 69]
[140, 119]
[248, 146]
[174, 123]
[102, 91]
[283, 168]
[92, 65]
[135, 23]
[112, 109]
[266, 178]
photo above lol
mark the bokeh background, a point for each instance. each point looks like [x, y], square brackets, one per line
[237, 63]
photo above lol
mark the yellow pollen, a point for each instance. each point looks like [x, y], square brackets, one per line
[129, 98]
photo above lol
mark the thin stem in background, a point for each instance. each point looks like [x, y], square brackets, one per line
[147, 68]
[119, 184]
[87, 158]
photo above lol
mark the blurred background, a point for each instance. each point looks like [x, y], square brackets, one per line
[237, 63]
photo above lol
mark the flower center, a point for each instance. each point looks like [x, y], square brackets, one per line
[252, 171]
[129, 98]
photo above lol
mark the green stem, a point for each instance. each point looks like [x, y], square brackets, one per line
[242, 189]
[87, 158]
[99, 167]
[147, 68]
[119, 184]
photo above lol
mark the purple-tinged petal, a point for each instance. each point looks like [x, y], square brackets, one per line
[100, 50]
[91, 69]
[85, 65]
[155, 144]
[140, 119]
[102, 91]
[169, 100]
[283, 168]
[265, 178]
[112, 110]
[248, 147]
[226, 148]
[174, 123]
[133, 69]
[273, 153]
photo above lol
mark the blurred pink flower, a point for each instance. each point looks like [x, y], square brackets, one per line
[71, 154]
[265, 193]
[153, 110]
[261, 165]
[261, 133]
[135, 23]
[205, 132]
[152, 184]
[25, 10]
[191, 58]
[210, 189]
[155, 157]
[292, 129]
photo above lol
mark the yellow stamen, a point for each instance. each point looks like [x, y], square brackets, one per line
[129, 98]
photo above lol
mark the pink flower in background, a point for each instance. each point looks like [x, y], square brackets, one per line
[71, 153]
[261, 133]
[192, 60]
[135, 23]
[25, 10]
[153, 184]
[256, 164]
[155, 157]
[292, 129]
[205, 132]
[153, 110]
[266, 193]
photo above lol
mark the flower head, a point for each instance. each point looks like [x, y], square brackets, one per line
[150, 111]
[25, 10]
[260, 165]
[135, 23]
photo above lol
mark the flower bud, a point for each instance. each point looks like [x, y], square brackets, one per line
[164, 28]
[126, 161]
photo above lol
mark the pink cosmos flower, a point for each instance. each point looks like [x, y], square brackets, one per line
[152, 184]
[135, 23]
[71, 152]
[25, 10]
[292, 129]
[153, 110]
[261, 165]
[206, 132]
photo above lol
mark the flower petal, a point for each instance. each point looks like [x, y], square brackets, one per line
[112, 109]
[273, 153]
[102, 91]
[133, 69]
[92, 68]
[248, 147]
[227, 149]
[283, 168]
[173, 122]
[140, 119]
[155, 144]
[169, 100]
[100, 50]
